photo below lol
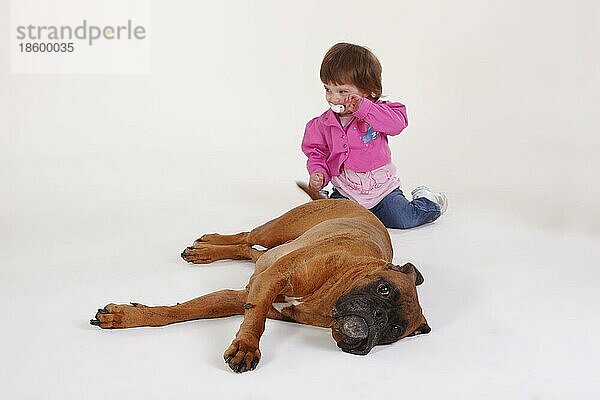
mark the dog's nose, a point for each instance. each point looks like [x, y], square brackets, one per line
[354, 327]
[380, 316]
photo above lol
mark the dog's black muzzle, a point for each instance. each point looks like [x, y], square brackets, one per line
[358, 321]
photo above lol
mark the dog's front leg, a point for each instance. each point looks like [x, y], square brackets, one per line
[243, 354]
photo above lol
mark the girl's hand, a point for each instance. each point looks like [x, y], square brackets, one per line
[352, 102]
[316, 181]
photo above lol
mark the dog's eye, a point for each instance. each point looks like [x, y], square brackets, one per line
[383, 289]
[395, 330]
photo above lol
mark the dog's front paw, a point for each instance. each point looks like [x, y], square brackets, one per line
[116, 316]
[242, 356]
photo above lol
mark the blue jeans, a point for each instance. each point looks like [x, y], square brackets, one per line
[396, 212]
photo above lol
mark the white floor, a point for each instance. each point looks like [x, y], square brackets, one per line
[513, 308]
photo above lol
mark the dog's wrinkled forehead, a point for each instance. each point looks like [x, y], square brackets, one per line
[388, 283]
[380, 287]
[392, 284]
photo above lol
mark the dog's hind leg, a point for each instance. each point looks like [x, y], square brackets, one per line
[215, 238]
[288, 226]
[206, 253]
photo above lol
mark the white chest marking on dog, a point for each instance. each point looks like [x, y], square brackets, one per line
[289, 301]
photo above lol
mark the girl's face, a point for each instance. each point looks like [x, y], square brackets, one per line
[337, 94]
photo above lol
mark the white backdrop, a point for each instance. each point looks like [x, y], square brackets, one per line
[104, 178]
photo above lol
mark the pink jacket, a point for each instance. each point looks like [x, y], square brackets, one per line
[327, 145]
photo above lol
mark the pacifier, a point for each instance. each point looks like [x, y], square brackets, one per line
[337, 108]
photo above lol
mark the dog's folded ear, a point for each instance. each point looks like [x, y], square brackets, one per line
[408, 268]
[421, 330]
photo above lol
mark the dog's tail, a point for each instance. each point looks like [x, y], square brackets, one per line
[314, 194]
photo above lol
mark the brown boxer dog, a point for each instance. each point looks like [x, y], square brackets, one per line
[327, 264]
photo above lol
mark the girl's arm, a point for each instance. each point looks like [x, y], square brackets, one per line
[385, 117]
[316, 149]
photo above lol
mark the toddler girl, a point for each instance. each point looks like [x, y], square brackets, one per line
[347, 145]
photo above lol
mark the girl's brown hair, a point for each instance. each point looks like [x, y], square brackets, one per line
[347, 63]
